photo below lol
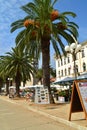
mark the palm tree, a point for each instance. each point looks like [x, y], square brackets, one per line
[43, 26]
[39, 74]
[4, 74]
[18, 65]
[53, 72]
[1, 83]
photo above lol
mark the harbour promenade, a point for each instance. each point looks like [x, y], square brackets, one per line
[58, 112]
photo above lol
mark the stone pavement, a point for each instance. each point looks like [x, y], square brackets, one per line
[58, 112]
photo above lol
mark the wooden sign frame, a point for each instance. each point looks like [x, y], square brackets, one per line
[79, 97]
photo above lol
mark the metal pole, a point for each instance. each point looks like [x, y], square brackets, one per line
[74, 58]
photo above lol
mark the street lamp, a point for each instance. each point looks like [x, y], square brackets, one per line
[73, 49]
[10, 81]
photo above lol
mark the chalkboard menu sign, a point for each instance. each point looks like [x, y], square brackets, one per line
[41, 95]
[79, 97]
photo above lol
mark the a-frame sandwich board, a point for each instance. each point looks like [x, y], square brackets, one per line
[79, 98]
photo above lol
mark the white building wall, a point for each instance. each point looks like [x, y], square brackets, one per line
[79, 61]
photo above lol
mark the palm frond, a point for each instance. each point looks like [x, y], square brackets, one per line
[29, 7]
[53, 2]
[73, 32]
[20, 36]
[55, 46]
[18, 22]
[62, 46]
[69, 14]
[16, 27]
[67, 37]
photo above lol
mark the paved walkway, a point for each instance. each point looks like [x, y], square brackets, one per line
[59, 112]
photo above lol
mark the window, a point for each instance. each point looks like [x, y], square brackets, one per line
[68, 60]
[84, 66]
[65, 72]
[83, 53]
[64, 61]
[76, 68]
[61, 72]
[69, 71]
[61, 62]
[58, 63]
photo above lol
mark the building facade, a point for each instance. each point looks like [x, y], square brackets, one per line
[65, 65]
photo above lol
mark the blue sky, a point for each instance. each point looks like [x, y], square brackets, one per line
[10, 11]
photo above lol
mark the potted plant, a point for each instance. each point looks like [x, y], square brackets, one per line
[61, 96]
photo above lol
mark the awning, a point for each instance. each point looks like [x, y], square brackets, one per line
[82, 76]
[65, 81]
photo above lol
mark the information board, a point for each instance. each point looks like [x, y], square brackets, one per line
[41, 95]
[79, 97]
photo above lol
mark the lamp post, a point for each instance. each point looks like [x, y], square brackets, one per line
[10, 81]
[73, 49]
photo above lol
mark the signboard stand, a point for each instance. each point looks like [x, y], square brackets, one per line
[41, 95]
[79, 97]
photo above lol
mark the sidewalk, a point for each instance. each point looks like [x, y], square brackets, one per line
[59, 112]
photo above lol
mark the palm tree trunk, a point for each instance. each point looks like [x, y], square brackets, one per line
[45, 44]
[7, 86]
[1, 84]
[18, 81]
